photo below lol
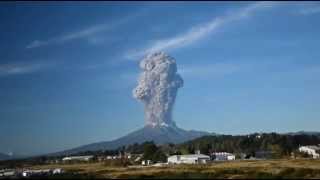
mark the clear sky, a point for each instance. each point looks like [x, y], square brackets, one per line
[67, 69]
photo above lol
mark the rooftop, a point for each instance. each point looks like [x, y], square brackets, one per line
[193, 156]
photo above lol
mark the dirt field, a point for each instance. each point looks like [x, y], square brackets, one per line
[233, 169]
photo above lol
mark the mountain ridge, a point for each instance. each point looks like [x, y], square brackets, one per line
[110, 145]
[158, 134]
[315, 133]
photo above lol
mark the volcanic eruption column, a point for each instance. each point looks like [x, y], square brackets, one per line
[157, 88]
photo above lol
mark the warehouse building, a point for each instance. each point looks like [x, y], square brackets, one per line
[223, 156]
[188, 159]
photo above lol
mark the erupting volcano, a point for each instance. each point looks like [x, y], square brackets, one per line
[157, 89]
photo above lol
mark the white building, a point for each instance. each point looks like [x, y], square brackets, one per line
[146, 162]
[223, 156]
[137, 159]
[77, 158]
[9, 173]
[28, 173]
[109, 157]
[311, 150]
[188, 159]
[57, 171]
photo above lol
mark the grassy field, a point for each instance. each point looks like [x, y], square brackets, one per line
[235, 169]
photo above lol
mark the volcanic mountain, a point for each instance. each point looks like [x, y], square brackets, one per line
[157, 89]
[157, 134]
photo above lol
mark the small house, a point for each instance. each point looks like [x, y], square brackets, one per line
[223, 156]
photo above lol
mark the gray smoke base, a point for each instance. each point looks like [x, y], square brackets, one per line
[157, 88]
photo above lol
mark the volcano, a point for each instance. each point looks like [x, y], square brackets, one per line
[157, 134]
[157, 89]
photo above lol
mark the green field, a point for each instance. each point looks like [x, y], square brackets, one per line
[304, 168]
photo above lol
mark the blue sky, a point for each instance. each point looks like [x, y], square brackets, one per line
[67, 69]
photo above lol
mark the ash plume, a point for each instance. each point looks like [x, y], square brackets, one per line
[157, 88]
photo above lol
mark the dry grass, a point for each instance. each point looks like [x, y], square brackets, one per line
[234, 169]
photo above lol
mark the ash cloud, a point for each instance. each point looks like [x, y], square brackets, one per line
[157, 88]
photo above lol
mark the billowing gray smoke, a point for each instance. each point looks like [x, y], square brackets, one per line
[157, 88]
